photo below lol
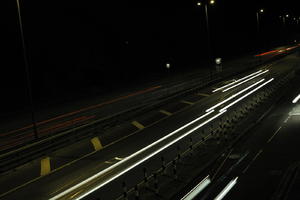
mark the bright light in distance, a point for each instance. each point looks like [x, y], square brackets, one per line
[296, 99]
[261, 10]
[212, 2]
[235, 95]
[228, 187]
[234, 86]
[196, 190]
[246, 95]
[199, 3]
[236, 81]
[133, 155]
[287, 15]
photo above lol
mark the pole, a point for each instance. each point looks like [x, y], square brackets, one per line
[208, 40]
[26, 62]
[258, 36]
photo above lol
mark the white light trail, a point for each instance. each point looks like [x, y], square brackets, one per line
[237, 81]
[228, 187]
[135, 154]
[296, 99]
[246, 95]
[196, 190]
[235, 95]
[249, 79]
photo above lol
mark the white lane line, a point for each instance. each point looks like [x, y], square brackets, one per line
[287, 119]
[249, 79]
[274, 134]
[235, 95]
[296, 99]
[135, 154]
[196, 190]
[237, 81]
[252, 161]
[246, 95]
[225, 191]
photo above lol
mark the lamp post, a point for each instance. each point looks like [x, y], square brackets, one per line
[258, 15]
[26, 64]
[206, 3]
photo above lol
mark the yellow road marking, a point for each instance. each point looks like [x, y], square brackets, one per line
[187, 102]
[138, 125]
[165, 112]
[45, 166]
[96, 143]
[202, 94]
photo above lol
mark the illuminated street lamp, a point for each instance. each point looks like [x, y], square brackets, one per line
[206, 3]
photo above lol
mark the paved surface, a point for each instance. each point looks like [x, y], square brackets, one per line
[52, 119]
[59, 181]
[271, 156]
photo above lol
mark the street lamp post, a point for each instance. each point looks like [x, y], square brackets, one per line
[26, 64]
[206, 4]
[258, 14]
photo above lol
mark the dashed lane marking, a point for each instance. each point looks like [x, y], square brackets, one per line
[252, 161]
[138, 125]
[165, 112]
[96, 143]
[187, 102]
[203, 94]
[274, 134]
[45, 166]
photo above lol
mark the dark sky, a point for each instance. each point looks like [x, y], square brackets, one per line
[105, 43]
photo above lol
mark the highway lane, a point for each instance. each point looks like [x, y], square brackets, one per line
[273, 148]
[107, 154]
[276, 152]
[78, 117]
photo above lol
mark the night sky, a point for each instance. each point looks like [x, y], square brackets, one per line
[78, 47]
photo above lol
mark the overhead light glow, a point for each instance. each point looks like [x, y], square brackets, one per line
[246, 95]
[296, 99]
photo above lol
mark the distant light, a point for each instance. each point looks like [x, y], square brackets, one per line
[287, 15]
[261, 10]
[212, 2]
[296, 99]
[218, 61]
[168, 65]
[294, 18]
[199, 4]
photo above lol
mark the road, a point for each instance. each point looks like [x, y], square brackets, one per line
[275, 148]
[121, 157]
[271, 150]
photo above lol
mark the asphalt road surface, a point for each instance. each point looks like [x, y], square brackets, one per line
[123, 155]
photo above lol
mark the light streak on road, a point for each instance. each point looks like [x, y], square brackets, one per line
[296, 99]
[249, 79]
[235, 95]
[196, 190]
[228, 187]
[221, 88]
[101, 173]
[246, 95]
